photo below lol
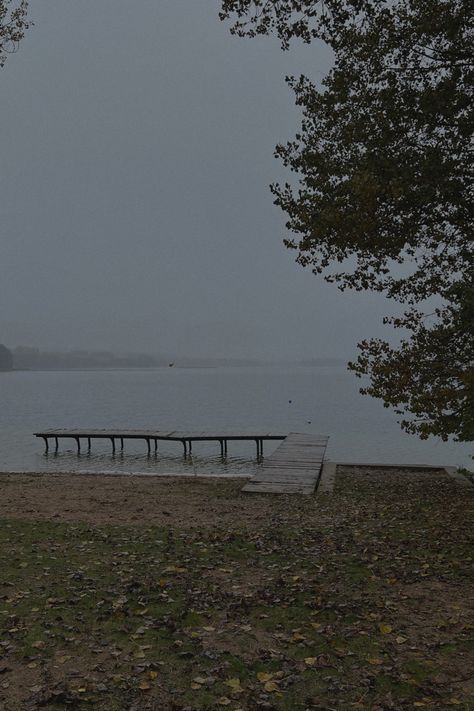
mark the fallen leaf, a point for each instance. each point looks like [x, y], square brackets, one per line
[271, 686]
[234, 684]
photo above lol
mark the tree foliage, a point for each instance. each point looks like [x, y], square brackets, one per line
[384, 192]
[13, 24]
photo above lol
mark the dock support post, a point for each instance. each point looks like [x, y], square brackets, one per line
[221, 442]
[190, 446]
[78, 444]
[112, 439]
[156, 446]
[88, 444]
[57, 444]
[184, 445]
[46, 445]
[148, 445]
[121, 443]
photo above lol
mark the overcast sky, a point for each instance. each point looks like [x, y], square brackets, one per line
[136, 152]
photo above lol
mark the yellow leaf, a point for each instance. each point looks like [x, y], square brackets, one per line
[199, 680]
[400, 639]
[144, 686]
[234, 684]
[376, 661]
[139, 654]
[310, 661]
[195, 686]
[174, 569]
[223, 701]
[153, 674]
[271, 686]
[384, 629]
[64, 659]
[316, 625]
[297, 637]
[264, 676]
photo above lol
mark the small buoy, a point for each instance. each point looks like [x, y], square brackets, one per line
[309, 422]
[170, 365]
[290, 401]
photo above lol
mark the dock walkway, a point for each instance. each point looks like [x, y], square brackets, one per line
[294, 467]
[154, 436]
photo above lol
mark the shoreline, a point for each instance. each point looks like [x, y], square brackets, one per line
[190, 500]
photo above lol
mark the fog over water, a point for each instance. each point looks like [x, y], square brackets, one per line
[136, 149]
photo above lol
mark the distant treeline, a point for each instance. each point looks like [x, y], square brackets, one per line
[31, 358]
[6, 358]
[25, 357]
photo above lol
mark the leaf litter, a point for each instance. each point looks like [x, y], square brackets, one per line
[360, 600]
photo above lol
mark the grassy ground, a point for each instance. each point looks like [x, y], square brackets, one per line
[359, 600]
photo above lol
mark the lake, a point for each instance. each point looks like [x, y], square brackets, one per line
[277, 398]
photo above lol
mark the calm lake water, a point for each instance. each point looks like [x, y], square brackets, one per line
[323, 400]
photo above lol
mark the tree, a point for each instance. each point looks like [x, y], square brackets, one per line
[384, 197]
[13, 24]
[6, 358]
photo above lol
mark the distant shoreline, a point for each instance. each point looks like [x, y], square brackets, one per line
[189, 366]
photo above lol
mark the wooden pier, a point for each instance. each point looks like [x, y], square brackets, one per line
[152, 437]
[294, 467]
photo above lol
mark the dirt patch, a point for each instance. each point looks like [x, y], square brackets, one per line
[140, 500]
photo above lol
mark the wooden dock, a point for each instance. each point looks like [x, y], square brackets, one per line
[294, 467]
[152, 437]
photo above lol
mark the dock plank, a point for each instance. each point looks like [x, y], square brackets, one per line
[293, 468]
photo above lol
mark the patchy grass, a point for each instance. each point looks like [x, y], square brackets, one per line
[360, 600]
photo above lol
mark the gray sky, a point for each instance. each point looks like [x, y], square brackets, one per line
[136, 150]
